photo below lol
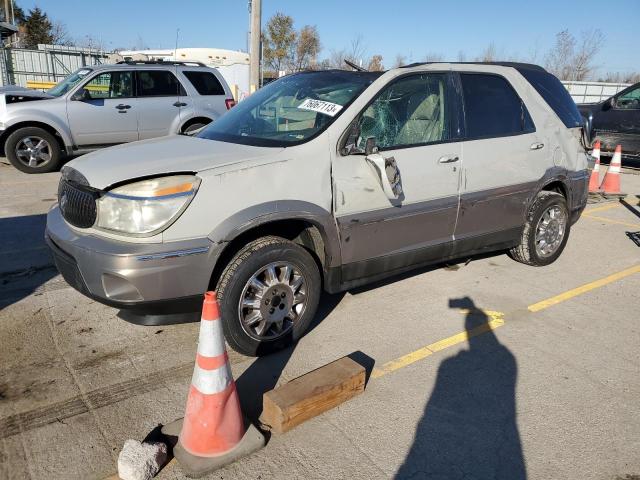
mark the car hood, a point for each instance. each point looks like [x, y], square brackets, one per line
[158, 156]
[16, 94]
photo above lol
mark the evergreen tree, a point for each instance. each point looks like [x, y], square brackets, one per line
[38, 29]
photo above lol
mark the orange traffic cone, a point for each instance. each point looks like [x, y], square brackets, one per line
[594, 180]
[212, 433]
[611, 182]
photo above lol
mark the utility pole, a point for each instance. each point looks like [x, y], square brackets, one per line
[255, 50]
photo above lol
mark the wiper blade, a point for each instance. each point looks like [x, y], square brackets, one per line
[355, 66]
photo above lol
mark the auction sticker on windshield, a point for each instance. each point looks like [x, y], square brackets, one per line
[320, 106]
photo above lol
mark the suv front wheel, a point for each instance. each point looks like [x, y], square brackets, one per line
[33, 150]
[268, 295]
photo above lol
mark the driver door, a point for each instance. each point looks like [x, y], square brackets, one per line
[103, 111]
[620, 122]
[411, 121]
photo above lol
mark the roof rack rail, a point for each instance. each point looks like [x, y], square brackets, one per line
[160, 62]
[515, 65]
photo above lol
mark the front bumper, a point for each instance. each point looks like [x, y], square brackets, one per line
[145, 279]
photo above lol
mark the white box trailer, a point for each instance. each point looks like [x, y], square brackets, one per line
[232, 64]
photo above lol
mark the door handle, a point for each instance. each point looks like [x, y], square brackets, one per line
[536, 146]
[122, 106]
[179, 104]
[448, 159]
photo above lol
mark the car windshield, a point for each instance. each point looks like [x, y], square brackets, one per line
[290, 110]
[68, 83]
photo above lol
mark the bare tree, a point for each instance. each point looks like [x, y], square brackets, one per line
[433, 57]
[399, 61]
[489, 54]
[91, 43]
[591, 42]
[462, 56]
[357, 51]
[375, 64]
[618, 77]
[558, 60]
[60, 34]
[574, 60]
[336, 58]
[307, 48]
[140, 44]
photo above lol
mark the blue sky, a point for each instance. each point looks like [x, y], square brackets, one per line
[413, 28]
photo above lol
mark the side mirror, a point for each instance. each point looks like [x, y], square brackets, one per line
[370, 146]
[587, 131]
[388, 174]
[609, 103]
[351, 143]
[81, 95]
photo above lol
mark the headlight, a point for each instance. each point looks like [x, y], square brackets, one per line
[145, 207]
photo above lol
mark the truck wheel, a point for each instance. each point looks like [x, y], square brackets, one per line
[546, 231]
[268, 295]
[33, 150]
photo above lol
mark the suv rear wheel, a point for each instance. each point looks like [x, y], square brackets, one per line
[33, 150]
[546, 231]
[268, 295]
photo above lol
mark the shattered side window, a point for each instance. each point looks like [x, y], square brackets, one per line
[410, 111]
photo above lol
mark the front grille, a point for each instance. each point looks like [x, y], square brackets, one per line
[78, 205]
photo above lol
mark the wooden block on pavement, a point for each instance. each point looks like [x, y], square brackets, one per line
[311, 394]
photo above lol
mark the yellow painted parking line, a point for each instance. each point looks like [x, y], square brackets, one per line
[602, 208]
[496, 321]
[609, 220]
[536, 307]
[401, 362]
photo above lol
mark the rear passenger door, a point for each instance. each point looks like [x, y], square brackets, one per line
[159, 102]
[502, 160]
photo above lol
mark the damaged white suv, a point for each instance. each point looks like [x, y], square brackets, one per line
[324, 181]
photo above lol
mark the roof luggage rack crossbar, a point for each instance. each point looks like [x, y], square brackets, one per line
[160, 62]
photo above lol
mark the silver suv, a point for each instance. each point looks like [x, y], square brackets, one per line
[105, 105]
[324, 180]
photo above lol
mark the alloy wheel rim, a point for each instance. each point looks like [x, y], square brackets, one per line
[550, 231]
[272, 301]
[33, 151]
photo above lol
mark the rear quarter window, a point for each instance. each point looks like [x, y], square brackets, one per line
[556, 96]
[205, 83]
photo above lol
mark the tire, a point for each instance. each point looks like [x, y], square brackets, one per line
[526, 252]
[234, 285]
[190, 129]
[51, 149]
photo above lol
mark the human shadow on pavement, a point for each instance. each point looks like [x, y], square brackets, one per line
[25, 261]
[468, 429]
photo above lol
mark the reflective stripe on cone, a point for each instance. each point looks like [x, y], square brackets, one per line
[611, 182]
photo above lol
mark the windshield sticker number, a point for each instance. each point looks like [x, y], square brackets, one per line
[327, 108]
